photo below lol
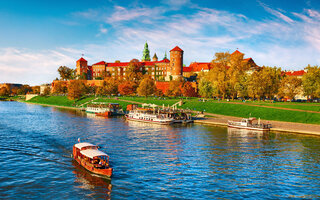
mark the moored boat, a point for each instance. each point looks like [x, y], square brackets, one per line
[104, 109]
[248, 123]
[92, 159]
[149, 115]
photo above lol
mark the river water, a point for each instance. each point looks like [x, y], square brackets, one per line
[150, 161]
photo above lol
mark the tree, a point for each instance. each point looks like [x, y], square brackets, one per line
[290, 86]
[4, 91]
[24, 90]
[134, 71]
[66, 73]
[174, 88]
[237, 69]
[146, 87]
[255, 90]
[311, 82]
[271, 77]
[76, 89]
[111, 86]
[127, 88]
[205, 87]
[60, 88]
[188, 91]
[46, 91]
[218, 76]
[36, 90]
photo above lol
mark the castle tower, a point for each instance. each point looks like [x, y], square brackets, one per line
[82, 66]
[146, 53]
[155, 57]
[176, 63]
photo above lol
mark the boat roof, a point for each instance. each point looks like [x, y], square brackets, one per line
[84, 144]
[91, 153]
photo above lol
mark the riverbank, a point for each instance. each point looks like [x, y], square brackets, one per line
[277, 126]
[293, 126]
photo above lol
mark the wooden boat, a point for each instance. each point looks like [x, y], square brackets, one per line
[247, 123]
[104, 114]
[92, 159]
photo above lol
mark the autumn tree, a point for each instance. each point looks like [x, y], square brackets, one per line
[174, 88]
[111, 86]
[76, 89]
[60, 88]
[218, 75]
[4, 91]
[311, 82]
[46, 91]
[35, 89]
[188, 91]
[24, 90]
[66, 73]
[134, 71]
[146, 87]
[255, 90]
[271, 78]
[290, 86]
[237, 69]
[127, 88]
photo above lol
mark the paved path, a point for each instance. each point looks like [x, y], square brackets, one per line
[280, 108]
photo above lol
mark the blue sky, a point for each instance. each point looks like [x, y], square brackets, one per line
[37, 37]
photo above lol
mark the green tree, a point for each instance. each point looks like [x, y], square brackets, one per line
[146, 87]
[65, 73]
[311, 82]
[205, 87]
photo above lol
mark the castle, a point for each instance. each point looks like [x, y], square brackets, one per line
[163, 70]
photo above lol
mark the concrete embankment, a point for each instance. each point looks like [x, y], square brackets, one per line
[56, 106]
[277, 126]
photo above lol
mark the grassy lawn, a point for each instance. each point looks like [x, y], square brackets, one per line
[53, 100]
[211, 106]
[240, 110]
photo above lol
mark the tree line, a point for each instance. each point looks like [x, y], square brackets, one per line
[232, 77]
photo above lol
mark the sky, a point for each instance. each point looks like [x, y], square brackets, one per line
[36, 37]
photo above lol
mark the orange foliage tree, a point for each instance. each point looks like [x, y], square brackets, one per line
[127, 88]
[146, 87]
[76, 89]
[188, 91]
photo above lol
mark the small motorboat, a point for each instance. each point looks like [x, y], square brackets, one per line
[91, 158]
[247, 123]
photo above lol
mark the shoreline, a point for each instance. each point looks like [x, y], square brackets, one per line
[222, 120]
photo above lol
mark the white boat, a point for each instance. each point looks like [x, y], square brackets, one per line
[247, 123]
[103, 108]
[149, 115]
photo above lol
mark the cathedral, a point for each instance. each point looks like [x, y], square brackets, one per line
[163, 70]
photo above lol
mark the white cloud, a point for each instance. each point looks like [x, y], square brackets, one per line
[30, 67]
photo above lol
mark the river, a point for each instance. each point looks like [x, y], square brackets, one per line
[150, 161]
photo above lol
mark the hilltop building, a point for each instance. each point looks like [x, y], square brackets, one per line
[164, 69]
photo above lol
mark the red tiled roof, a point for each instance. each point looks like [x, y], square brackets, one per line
[120, 64]
[176, 49]
[236, 52]
[100, 63]
[82, 59]
[164, 60]
[296, 73]
[187, 69]
[197, 67]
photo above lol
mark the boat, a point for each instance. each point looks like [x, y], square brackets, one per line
[104, 109]
[248, 123]
[91, 158]
[149, 115]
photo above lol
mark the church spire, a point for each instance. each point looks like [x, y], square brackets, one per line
[165, 55]
[146, 53]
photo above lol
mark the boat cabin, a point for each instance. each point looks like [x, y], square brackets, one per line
[90, 154]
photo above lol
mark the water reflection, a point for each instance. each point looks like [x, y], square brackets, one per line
[99, 186]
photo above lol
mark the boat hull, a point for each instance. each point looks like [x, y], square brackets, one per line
[150, 121]
[248, 128]
[104, 172]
